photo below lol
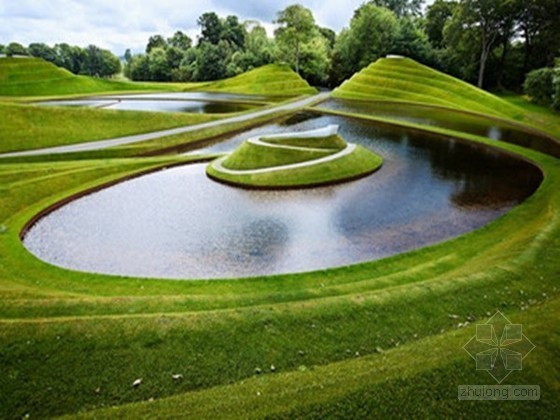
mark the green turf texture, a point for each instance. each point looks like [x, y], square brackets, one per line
[25, 127]
[409, 81]
[248, 156]
[272, 79]
[37, 77]
[77, 332]
[378, 339]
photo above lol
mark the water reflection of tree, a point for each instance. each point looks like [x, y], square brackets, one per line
[485, 178]
[259, 242]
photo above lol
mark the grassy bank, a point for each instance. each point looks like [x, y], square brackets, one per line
[88, 337]
[27, 127]
[376, 339]
[36, 77]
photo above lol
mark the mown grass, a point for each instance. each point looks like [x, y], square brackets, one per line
[422, 376]
[257, 156]
[406, 81]
[360, 162]
[36, 77]
[544, 118]
[272, 79]
[75, 341]
[376, 339]
[273, 152]
[26, 127]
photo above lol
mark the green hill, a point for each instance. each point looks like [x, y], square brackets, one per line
[288, 160]
[405, 80]
[272, 79]
[37, 77]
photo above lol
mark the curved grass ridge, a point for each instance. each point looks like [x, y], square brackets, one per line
[272, 79]
[37, 77]
[300, 159]
[405, 80]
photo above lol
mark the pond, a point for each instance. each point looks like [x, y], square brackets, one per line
[193, 102]
[449, 119]
[178, 224]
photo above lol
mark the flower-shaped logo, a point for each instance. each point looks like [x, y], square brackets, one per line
[499, 356]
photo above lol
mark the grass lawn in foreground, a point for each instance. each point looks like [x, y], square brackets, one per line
[90, 336]
[376, 339]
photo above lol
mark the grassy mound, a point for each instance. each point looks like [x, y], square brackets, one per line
[272, 79]
[403, 79]
[37, 77]
[294, 160]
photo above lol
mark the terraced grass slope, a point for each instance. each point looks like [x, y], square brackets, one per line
[303, 159]
[405, 80]
[27, 127]
[272, 79]
[379, 339]
[37, 77]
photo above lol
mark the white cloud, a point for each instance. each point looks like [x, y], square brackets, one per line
[121, 24]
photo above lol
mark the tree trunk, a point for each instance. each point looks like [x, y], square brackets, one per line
[297, 58]
[483, 58]
[505, 50]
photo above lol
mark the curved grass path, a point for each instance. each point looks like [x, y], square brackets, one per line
[103, 144]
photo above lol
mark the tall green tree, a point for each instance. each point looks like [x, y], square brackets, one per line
[411, 41]
[212, 61]
[540, 28]
[15, 48]
[437, 16]
[296, 27]
[43, 51]
[180, 40]
[372, 34]
[401, 7]
[258, 51]
[210, 28]
[100, 63]
[156, 41]
[233, 32]
[482, 20]
[158, 65]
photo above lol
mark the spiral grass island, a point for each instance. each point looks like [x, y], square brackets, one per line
[295, 160]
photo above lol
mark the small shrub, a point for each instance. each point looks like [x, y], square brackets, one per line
[556, 87]
[538, 85]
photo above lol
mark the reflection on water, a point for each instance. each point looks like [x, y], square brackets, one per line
[194, 102]
[198, 107]
[447, 119]
[179, 224]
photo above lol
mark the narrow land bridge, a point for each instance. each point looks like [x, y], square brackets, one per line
[103, 144]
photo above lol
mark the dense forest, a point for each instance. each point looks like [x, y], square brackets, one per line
[494, 44]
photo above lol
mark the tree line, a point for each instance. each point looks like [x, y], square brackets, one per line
[90, 61]
[490, 43]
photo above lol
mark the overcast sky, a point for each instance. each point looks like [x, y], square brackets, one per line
[121, 24]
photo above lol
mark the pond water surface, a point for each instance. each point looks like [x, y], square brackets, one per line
[179, 224]
[449, 119]
[193, 102]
